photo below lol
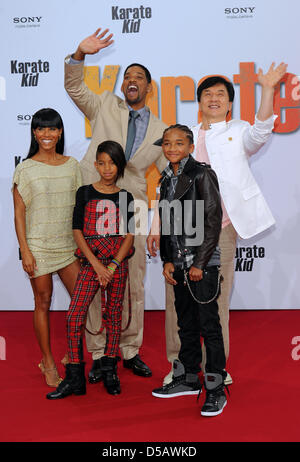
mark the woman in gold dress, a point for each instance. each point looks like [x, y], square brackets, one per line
[44, 188]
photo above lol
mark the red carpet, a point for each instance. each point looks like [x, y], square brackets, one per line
[263, 404]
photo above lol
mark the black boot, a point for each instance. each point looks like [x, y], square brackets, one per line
[73, 383]
[109, 373]
[95, 374]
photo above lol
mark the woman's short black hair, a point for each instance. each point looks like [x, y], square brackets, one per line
[211, 82]
[183, 128]
[147, 72]
[115, 152]
[46, 117]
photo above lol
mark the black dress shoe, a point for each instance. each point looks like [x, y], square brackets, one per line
[138, 366]
[95, 374]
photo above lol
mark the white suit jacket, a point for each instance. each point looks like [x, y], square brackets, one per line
[229, 145]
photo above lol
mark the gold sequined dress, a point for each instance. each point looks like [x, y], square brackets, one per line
[48, 192]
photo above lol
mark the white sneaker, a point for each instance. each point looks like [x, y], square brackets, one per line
[179, 387]
[215, 400]
[228, 380]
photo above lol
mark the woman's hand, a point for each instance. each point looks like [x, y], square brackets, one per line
[112, 268]
[28, 262]
[104, 275]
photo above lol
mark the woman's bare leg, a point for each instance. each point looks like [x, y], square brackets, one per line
[42, 287]
[68, 276]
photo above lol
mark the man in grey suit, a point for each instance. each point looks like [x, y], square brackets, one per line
[113, 118]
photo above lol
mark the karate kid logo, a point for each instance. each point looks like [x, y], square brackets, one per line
[2, 88]
[164, 103]
[18, 159]
[131, 17]
[29, 70]
[245, 257]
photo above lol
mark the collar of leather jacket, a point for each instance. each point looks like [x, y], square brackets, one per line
[191, 169]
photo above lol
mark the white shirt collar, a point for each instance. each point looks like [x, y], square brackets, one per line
[216, 126]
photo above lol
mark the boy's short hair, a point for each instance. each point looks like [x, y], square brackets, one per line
[211, 82]
[115, 152]
[184, 128]
[147, 72]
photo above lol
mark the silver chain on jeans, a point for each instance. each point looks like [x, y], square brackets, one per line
[193, 296]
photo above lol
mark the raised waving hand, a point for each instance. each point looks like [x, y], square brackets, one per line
[93, 44]
[272, 76]
[268, 82]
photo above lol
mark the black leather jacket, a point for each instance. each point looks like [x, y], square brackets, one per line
[197, 182]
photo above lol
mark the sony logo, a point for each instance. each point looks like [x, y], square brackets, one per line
[22, 117]
[242, 10]
[25, 19]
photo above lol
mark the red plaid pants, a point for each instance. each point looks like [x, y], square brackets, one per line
[85, 290]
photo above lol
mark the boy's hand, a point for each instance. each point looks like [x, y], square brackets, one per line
[195, 274]
[168, 272]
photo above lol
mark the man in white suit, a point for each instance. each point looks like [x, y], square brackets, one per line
[226, 146]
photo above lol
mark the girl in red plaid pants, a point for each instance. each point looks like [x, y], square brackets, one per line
[103, 251]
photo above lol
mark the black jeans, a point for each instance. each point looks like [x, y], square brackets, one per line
[197, 320]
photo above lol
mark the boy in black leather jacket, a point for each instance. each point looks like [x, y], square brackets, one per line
[190, 221]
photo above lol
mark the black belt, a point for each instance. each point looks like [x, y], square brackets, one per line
[97, 236]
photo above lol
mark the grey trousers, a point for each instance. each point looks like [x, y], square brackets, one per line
[227, 245]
